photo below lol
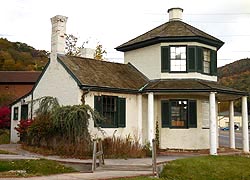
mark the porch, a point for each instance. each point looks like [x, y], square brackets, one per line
[180, 130]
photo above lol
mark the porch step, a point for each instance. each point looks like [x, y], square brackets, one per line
[125, 167]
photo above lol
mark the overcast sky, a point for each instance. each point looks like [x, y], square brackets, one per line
[113, 22]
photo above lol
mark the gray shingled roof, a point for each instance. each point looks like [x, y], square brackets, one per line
[172, 30]
[90, 73]
[96, 73]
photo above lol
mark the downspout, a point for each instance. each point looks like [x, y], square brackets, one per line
[83, 96]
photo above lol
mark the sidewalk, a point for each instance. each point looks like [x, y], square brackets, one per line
[114, 168]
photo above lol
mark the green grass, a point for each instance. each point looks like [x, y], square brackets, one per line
[32, 168]
[206, 168]
[4, 136]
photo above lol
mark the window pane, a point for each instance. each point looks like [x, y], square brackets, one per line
[206, 60]
[109, 111]
[178, 59]
[179, 113]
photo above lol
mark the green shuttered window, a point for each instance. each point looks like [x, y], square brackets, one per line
[113, 109]
[179, 113]
[199, 59]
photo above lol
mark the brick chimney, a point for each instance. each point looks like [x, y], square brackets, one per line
[175, 14]
[58, 35]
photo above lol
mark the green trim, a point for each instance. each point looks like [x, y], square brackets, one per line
[109, 89]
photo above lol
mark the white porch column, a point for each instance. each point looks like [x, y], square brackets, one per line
[245, 136]
[139, 116]
[212, 124]
[150, 117]
[231, 122]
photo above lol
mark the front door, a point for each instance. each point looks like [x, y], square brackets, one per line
[24, 111]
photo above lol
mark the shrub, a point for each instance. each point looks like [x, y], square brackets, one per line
[4, 117]
[22, 128]
[62, 129]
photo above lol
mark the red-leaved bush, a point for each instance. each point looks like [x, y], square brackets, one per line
[23, 126]
[4, 117]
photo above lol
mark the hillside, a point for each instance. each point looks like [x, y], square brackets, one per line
[17, 56]
[236, 75]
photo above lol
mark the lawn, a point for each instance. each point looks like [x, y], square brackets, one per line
[25, 168]
[206, 168]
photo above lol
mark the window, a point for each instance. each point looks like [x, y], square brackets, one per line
[178, 59]
[15, 117]
[113, 109]
[188, 59]
[206, 61]
[179, 113]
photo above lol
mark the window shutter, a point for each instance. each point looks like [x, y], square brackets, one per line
[165, 59]
[165, 113]
[192, 114]
[213, 61]
[191, 58]
[121, 112]
[98, 106]
[199, 59]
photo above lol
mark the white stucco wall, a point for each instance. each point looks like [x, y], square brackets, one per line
[57, 82]
[191, 138]
[131, 116]
[148, 61]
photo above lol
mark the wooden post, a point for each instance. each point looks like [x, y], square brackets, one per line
[102, 153]
[94, 156]
[154, 156]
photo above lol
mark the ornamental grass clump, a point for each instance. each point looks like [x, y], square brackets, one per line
[119, 147]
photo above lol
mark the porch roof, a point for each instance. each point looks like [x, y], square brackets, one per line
[193, 86]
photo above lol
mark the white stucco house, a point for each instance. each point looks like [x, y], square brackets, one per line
[169, 76]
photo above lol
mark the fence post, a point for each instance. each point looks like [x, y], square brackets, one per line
[154, 156]
[94, 156]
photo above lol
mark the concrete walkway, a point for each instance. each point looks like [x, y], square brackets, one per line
[114, 168]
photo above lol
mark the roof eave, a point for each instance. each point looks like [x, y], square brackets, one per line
[123, 48]
[108, 89]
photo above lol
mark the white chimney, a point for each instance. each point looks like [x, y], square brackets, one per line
[175, 14]
[87, 53]
[58, 35]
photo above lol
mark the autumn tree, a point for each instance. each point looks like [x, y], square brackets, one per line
[73, 50]
[99, 52]
[71, 47]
